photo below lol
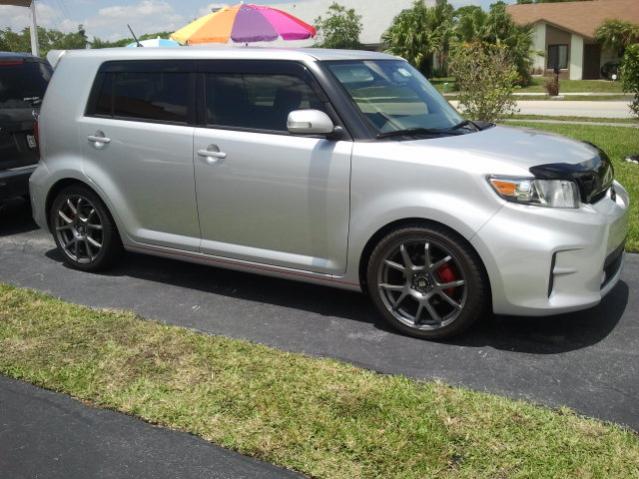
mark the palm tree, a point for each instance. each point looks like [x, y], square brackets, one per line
[617, 35]
[496, 28]
[409, 36]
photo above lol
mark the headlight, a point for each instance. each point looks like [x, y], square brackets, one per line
[531, 191]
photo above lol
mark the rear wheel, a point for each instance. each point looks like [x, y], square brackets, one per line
[84, 230]
[427, 282]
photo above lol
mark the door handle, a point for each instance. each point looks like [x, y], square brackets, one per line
[220, 155]
[212, 154]
[99, 139]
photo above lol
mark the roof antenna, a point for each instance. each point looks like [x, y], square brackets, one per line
[134, 37]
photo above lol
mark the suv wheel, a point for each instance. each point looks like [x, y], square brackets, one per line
[426, 282]
[84, 230]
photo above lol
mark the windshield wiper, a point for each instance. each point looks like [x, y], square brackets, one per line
[419, 131]
[464, 123]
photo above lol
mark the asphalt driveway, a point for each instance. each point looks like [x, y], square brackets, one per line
[48, 435]
[585, 360]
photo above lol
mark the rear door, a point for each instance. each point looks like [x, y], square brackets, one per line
[23, 82]
[138, 140]
[264, 195]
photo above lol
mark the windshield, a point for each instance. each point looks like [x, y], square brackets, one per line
[22, 82]
[394, 96]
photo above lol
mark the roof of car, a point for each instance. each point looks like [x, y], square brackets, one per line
[230, 53]
[15, 55]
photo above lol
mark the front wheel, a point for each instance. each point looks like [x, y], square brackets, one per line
[84, 230]
[427, 282]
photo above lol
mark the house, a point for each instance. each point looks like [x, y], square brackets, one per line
[565, 32]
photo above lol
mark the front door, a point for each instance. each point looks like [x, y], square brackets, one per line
[264, 195]
[592, 60]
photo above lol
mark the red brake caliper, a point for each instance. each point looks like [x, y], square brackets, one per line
[447, 275]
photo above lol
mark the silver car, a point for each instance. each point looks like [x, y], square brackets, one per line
[343, 168]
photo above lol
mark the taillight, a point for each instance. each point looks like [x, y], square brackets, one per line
[10, 62]
[36, 130]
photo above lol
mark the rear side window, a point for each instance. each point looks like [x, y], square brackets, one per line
[22, 82]
[152, 96]
[256, 101]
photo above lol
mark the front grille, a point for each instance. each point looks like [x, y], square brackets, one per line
[612, 264]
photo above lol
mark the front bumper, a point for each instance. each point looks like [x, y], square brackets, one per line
[14, 182]
[544, 261]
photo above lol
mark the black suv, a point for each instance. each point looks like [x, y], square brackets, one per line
[23, 81]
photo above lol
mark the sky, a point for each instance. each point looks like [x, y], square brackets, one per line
[107, 19]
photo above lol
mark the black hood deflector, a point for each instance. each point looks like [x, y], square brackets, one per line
[593, 177]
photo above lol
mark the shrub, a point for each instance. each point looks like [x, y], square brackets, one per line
[339, 28]
[485, 77]
[630, 75]
[552, 85]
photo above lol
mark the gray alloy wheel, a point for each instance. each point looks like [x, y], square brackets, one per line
[79, 229]
[84, 230]
[427, 282]
[422, 285]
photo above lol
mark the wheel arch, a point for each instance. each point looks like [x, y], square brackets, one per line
[403, 223]
[60, 185]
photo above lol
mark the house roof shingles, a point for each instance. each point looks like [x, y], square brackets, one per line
[582, 18]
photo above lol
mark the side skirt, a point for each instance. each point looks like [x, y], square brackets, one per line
[245, 266]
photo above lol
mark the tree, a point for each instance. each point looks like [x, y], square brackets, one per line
[617, 35]
[485, 77]
[441, 25]
[419, 32]
[340, 28]
[630, 75]
[497, 28]
[48, 40]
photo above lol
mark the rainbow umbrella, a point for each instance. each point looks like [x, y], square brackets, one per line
[244, 23]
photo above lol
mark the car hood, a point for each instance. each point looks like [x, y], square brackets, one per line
[523, 147]
[520, 151]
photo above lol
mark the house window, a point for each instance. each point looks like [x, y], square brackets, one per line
[557, 57]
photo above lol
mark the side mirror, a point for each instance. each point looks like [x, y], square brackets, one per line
[309, 122]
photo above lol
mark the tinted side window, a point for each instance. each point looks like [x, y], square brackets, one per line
[256, 101]
[155, 96]
[104, 101]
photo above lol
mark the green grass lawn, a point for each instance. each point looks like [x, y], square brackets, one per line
[575, 86]
[321, 417]
[617, 143]
[629, 121]
[625, 98]
[537, 86]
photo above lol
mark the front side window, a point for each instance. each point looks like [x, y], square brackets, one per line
[393, 96]
[557, 57]
[154, 96]
[256, 101]
[22, 82]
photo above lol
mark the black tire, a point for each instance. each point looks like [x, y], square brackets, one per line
[107, 235]
[472, 302]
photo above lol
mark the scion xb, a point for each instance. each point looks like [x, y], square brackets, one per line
[340, 168]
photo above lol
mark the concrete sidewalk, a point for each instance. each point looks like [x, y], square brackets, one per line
[595, 109]
[571, 122]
